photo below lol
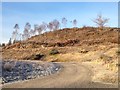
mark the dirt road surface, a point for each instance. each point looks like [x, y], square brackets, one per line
[72, 75]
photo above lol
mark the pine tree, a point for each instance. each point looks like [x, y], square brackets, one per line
[10, 42]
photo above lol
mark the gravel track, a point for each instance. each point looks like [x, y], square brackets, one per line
[72, 75]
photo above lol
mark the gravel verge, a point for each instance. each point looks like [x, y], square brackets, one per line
[22, 70]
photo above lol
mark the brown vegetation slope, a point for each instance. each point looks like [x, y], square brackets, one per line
[79, 36]
[86, 36]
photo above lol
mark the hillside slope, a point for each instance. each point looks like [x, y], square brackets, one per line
[69, 37]
[79, 36]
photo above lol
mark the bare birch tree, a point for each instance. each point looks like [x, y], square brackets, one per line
[74, 22]
[26, 32]
[100, 21]
[56, 24]
[15, 33]
[64, 21]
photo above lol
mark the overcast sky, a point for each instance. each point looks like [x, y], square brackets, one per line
[37, 12]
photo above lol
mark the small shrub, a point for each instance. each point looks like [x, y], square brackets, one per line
[35, 57]
[53, 52]
[118, 52]
[38, 56]
[118, 64]
[106, 58]
[84, 51]
[3, 44]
